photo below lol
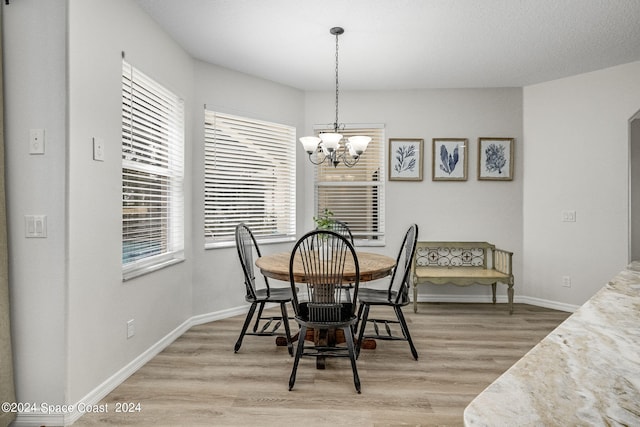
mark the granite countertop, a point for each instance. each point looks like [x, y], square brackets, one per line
[585, 372]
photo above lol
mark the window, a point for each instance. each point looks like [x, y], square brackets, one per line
[356, 195]
[249, 177]
[152, 174]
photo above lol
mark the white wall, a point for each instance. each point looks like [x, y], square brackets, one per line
[467, 211]
[69, 303]
[634, 190]
[217, 276]
[99, 302]
[35, 97]
[576, 158]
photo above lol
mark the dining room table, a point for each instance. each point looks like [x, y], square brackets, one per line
[372, 266]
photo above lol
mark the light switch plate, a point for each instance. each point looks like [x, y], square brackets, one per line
[35, 226]
[131, 328]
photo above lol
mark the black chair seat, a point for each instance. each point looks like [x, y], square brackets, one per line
[380, 297]
[275, 295]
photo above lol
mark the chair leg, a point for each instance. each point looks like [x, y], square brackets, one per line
[357, 325]
[405, 330]
[363, 326]
[287, 331]
[247, 320]
[299, 351]
[348, 333]
[255, 327]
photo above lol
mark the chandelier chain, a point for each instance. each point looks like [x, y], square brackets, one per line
[335, 124]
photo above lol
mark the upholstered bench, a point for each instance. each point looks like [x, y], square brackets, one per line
[462, 264]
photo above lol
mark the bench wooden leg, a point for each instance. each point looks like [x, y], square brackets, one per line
[493, 289]
[415, 298]
[510, 294]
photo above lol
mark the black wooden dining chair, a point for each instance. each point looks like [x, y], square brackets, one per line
[321, 303]
[396, 295]
[259, 296]
[343, 229]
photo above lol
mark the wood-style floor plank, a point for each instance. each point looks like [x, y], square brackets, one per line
[199, 380]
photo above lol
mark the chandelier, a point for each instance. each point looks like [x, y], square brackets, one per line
[328, 147]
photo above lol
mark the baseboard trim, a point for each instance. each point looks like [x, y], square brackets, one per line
[73, 412]
[499, 299]
[570, 308]
[29, 419]
[218, 315]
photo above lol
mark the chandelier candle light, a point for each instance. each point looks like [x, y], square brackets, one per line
[327, 146]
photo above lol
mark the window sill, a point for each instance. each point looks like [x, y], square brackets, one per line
[261, 241]
[141, 271]
[362, 243]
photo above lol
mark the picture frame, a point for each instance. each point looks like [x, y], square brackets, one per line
[495, 159]
[405, 159]
[449, 159]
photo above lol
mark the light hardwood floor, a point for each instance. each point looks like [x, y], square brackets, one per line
[199, 380]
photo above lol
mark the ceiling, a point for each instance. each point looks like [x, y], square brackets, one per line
[405, 44]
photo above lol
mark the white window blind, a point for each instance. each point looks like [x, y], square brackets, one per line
[249, 177]
[152, 174]
[356, 195]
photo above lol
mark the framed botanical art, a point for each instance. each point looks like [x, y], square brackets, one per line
[449, 159]
[495, 159]
[405, 159]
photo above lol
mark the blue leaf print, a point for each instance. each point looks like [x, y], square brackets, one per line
[496, 159]
[405, 158]
[448, 161]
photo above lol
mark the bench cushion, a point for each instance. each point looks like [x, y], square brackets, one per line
[460, 275]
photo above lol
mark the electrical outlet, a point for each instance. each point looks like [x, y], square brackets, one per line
[131, 328]
[36, 141]
[98, 149]
[566, 281]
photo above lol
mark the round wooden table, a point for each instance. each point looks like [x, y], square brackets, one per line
[372, 267]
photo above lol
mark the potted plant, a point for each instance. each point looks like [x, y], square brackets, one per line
[324, 221]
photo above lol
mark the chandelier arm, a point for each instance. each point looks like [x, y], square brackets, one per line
[316, 162]
[348, 163]
[344, 157]
[344, 163]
